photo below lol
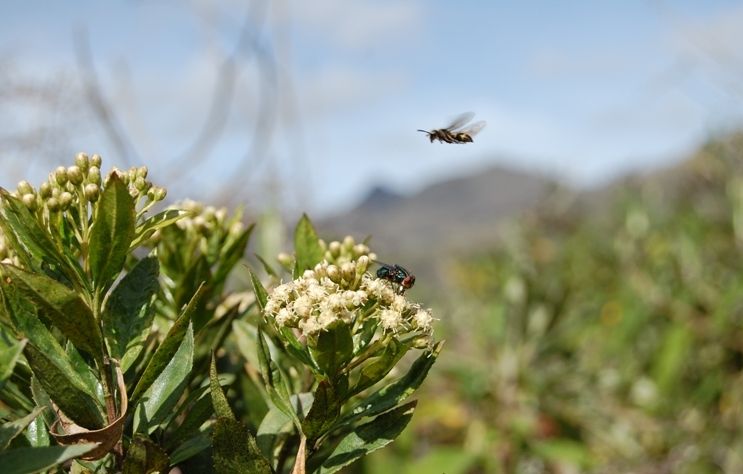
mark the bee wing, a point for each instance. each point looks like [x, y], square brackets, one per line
[460, 121]
[475, 127]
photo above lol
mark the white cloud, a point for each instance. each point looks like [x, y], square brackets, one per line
[357, 24]
[712, 43]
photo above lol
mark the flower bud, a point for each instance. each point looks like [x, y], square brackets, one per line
[52, 204]
[94, 175]
[159, 193]
[348, 242]
[60, 175]
[285, 259]
[29, 200]
[142, 172]
[335, 248]
[24, 187]
[362, 264]
[348, 270]
[360, 249]
[140, 184]
[75, 175]
[422, 342]
[45, 190]
[65, 199]
[82, 161]
[96, 160]
[92, 191]
[199, 222]
[221, 214]
[209, 213]
[333, 273]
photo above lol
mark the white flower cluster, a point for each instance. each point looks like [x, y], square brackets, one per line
[330, 293]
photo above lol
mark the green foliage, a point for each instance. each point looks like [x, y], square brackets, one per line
[111, 233]
[103, 308]
[307, 246]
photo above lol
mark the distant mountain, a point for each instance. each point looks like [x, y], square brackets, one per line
[448, 217]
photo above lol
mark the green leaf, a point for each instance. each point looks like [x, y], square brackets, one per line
[369, 437]
[261, 296]
[276, 424]
[29, 460]
[267, 266]
[295, 348]
[159, 221]
[219, 401]
[161, 397]
[27, 324]
[11, 429]
[253, 395]
[197, 273]
[112, 232]
[127, 318]
[276, 386]
[231, 254]
[264, 358]
[276, 421]
[245, 335]
[51, 365]
[60, 306]
[326, 407]
[197, 414]
[8, 358]
[86, 373]
[31, 242]
[144, 457]
[379, 366]
[390, 395]
[306, 246]
[234, 449]
[246, 338]
[168, 347]
[191, 447]
[75, 402]
[41, 398]
[334, 348]
[37, 433]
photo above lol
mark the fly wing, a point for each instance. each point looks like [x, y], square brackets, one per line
[475, 128]
[460, 121]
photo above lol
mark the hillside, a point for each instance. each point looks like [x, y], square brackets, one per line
[449, 217]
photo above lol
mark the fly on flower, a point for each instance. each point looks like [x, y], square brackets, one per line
[396, 274]
[458, 131]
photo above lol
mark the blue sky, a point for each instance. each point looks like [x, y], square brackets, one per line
[583, 91]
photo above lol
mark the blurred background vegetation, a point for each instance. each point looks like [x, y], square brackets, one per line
[596, 337]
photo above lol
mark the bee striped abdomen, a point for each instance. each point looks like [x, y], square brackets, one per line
[458, 131]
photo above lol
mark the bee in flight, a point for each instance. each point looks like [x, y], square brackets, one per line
[396, 274]
[459, 131]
